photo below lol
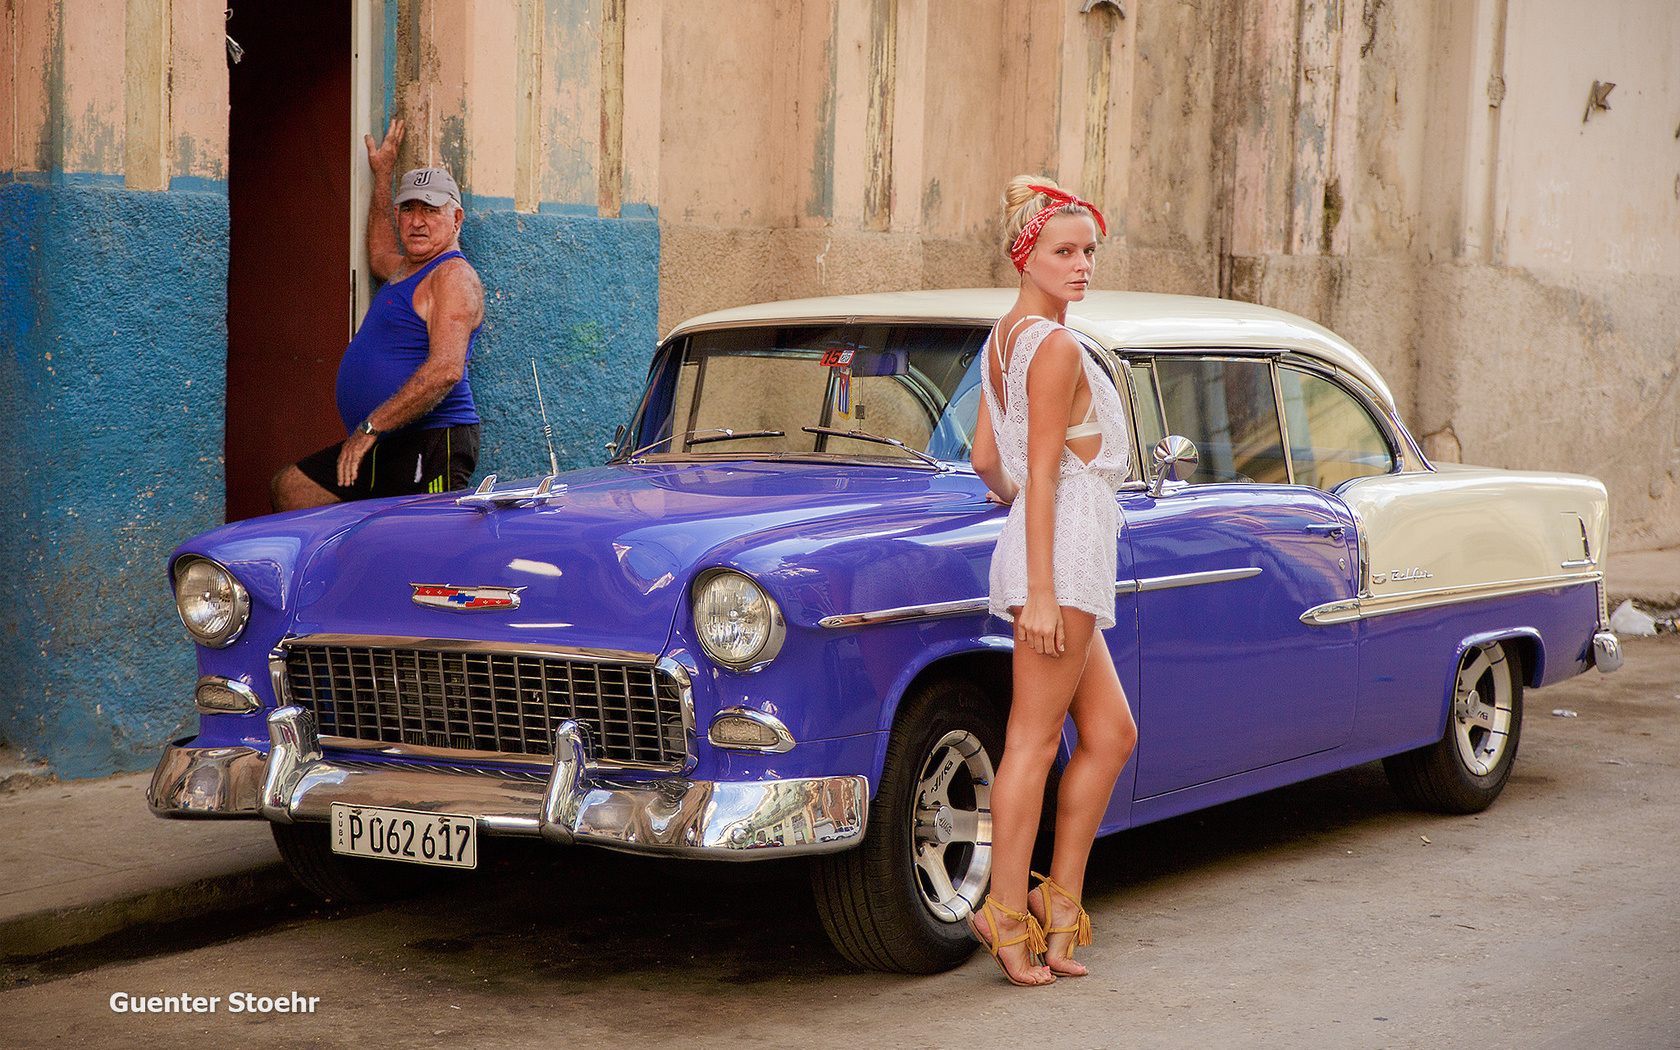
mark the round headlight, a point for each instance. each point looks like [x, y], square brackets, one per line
[738, 624]
[214, 607]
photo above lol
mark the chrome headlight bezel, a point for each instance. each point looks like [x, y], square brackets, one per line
[754, 617]
[228, 599]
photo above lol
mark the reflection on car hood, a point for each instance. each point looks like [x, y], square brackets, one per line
[606, 563]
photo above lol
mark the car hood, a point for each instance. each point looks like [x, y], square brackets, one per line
[607, 562]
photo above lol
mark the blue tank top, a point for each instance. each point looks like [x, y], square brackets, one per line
[388, 348]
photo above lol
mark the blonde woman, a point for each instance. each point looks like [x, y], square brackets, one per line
[1051, 442]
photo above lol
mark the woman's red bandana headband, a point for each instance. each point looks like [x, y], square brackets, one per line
[1023, 245]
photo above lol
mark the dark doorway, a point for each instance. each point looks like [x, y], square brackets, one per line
[289, 238]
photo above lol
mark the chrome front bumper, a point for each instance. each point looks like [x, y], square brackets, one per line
[711, 819]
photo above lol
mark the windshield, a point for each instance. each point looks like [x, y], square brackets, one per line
[751, 391]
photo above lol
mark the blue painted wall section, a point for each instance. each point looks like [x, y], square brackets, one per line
[113, 328]
[580, 296]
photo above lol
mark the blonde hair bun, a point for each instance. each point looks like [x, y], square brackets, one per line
[1021, 202]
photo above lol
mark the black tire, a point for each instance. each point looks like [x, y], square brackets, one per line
[354, 880]
[1467, 768]
[885, 904]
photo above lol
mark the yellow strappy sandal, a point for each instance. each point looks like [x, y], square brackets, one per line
[1080, 927]
[1033, 936]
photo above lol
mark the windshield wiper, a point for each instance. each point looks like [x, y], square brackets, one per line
[729, 435]
[711, 434]
[864, 435]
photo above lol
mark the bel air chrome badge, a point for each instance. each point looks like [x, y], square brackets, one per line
[471, 599]
[1417, 572]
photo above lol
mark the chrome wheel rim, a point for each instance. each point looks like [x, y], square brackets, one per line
[951, 832]
[1482, 709]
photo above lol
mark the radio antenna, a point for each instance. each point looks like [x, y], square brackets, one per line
[548, 431]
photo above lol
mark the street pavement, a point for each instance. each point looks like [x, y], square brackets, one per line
[86, 860]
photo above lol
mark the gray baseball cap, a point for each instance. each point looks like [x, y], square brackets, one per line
[432, 185]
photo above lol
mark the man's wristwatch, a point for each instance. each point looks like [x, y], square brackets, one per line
[366, 427]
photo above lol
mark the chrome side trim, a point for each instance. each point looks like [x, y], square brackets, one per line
[668, 816]
[970, 606]
[1366, 607]
[1194, 579]
[934, 611]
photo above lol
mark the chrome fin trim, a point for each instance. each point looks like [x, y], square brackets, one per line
[1366, 607]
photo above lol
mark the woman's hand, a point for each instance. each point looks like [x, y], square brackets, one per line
[1004, 493]
[1038, 626]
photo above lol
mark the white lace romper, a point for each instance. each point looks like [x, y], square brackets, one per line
[1087, 517]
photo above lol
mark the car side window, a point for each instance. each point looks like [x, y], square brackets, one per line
[1228, 407]
[1147, 412]
[1332, 437]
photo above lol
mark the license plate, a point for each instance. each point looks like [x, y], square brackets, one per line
[445, 839]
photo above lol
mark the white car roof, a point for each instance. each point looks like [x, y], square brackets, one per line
[1117, 320]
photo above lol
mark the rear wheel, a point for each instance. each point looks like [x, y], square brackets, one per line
[1467, 768]
[310, 859]
[901, 900]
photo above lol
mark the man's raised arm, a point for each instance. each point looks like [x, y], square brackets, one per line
[384, 250]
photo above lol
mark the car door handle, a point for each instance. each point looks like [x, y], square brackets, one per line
[1329, 529]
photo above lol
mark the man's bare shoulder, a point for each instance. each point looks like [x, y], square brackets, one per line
[455, 276]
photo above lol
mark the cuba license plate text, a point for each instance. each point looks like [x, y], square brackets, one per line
[446, 839]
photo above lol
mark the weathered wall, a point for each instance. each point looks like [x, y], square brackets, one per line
[113, 254]
[525, 103]
[1417, 176]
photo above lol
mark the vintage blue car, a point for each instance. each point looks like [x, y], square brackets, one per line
[760, 629]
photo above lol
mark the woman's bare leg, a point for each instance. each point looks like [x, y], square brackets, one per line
[1044, 688]
[1107, 737]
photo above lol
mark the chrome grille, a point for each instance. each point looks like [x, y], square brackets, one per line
[489, 701]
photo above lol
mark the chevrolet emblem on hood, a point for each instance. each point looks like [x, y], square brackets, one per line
[475, 599]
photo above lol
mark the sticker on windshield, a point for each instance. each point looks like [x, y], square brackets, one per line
[837, 358]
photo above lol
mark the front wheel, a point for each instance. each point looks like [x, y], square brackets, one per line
[1467, 768]
[901, 900]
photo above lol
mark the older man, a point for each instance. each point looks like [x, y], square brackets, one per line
[402, 384]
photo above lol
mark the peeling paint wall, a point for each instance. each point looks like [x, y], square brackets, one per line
[525, 102]
[1418, 176]
[113, 330]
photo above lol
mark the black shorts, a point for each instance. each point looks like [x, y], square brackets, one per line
[403, 464]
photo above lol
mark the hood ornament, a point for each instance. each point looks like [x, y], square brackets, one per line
[466, 599]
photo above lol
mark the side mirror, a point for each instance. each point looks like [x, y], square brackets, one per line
[1175, 460]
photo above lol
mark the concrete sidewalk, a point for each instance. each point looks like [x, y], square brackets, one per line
[83, 860]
